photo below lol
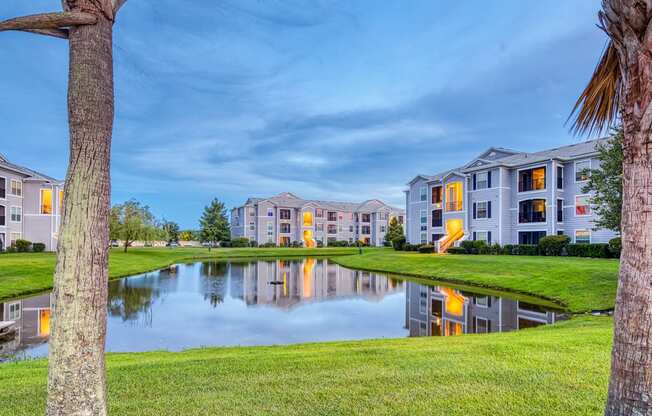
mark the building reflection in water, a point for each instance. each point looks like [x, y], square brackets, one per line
[443, 311]
[32, 324]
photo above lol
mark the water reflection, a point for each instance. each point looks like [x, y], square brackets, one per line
[443, 311]
[270, 302]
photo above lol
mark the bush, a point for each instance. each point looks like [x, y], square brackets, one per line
[589, 250]
[456, 250]
[399, 243]
[22, 246]
[253, 243]
[553, 245]
[387, 243]
[411, 247]
[296, 244]
[426, 248]
[525, 250]
[338, 243]
[38, 247]
[320, 244]
[615, 247]
[469, 246]
[242, 242]
[269, 244]
[495, 249]
[507, 249]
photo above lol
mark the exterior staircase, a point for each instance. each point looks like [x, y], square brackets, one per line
[447, 241]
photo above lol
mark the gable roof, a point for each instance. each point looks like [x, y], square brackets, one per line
[290, 200]
[29, 174]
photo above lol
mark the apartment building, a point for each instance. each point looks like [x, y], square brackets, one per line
[507, 197]
[30, 206]
[286, 218]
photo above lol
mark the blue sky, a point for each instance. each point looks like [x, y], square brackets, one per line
[344, 100]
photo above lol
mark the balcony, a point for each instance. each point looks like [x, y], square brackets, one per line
[532, 211]
[532, 180]
[454, 206]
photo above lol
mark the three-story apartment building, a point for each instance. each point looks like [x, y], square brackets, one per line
[30, 206]
[286, 218]
[507, 197]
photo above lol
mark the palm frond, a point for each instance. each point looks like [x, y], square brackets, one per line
[596, 109]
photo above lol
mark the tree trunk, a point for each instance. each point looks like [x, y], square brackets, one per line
[630, 387]
[76, 377]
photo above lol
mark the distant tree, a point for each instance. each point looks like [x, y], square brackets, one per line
[214, 225]
[394, 232]
[171, 230]
[606, 183]
[131, 221]
[189, 235]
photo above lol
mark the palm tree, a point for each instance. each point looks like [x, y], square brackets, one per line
[76, 376]
[621, 87]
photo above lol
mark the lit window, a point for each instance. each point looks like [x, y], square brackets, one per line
[46, 201]
[307, 219]
[61, 202]
[582, 207]
[582, 170]
[16, 214]
[582, 237]
[16, 188]
[454, 196]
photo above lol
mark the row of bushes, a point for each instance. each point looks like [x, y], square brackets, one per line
[245, 242]
[24, 246]
[557, 245]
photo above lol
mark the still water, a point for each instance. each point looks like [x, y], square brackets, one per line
[267, 302]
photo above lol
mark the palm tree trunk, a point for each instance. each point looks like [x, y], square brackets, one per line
[76, 377]
[629, 24]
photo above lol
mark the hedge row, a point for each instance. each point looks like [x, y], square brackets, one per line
[24, 246]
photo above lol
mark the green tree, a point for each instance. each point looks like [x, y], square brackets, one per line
[189, 235]
[394, 232]
[171, 230]
[131, 221]
[606, 183]
[214, 225]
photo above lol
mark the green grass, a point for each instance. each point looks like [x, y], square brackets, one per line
[555, 370]
[27, 273]
[580, 284]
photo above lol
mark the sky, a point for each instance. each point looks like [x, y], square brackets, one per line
[342, 100]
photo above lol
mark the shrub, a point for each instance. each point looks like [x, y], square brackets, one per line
[615, 247]
[399, 243]
[320, 243]
[589, 250]
[411, 247]
[296, 244]
[268, 244]
[338, 243]
[253, 243]
[507, 249]
[495, 249]
[387, 243]
[224, 244]
[38, 247]
[22, 246]
[456, 250]
[525, 250]
[426, 248]
[469, 247]
[481, 247]
[553, 245]
[242, 242]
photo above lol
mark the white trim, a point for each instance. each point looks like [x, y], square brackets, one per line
[529, 318]
[545, 179]
[575, 169]
[487, 321]
[11, 214]
[518, 217]
[21, 188]
[588, 204]
[493, 188]
[582, 229]
[476, 211]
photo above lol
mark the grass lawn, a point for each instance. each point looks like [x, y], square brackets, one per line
[26, 273]
[581, 284]
[555, 370]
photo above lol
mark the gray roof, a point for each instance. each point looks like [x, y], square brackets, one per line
[29, 174]
[287, 199]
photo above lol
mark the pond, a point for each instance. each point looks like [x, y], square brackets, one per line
[266, 302]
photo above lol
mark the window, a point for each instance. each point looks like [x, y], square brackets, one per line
[332, 216]
[252, 212]
[366, 229]
[424, 217]
[332, 229]
[484, 301]
[13, 237]
[560, 210]
[582, 207]
[437, 196]
[3, 215]
[284, 214]
[284, 241]
[16, 188]
[320, 226]
[530, 237]
[532, 210]
[560, 177]
[14, 311]
[582, 170]
[382, 228]
[307, 218]
[319, 213]
[424, 227]
[481, 180]
[270, 212]
[423, 193]
[3, 188]
[560, 232]
[423, 237]
[481, 236]
[437, 237]
[532, 179]
[454, 196]
[61, 202]
[16, 214]
[46, 201]
[366, 217]
[270, 229]
[252, 226]
[482, 210]
[350, 228]
[437, 220]
[482, 325]
[285, 228]
[582, 236]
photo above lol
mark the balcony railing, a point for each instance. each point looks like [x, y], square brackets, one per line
[532, 185]
[454, 206]
[531, 216]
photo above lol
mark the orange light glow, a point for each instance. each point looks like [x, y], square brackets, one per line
[454, 301]
[44, 323]
[454, 196]
[307, 218]
[308, 240]
[46, 201]
[308, 267]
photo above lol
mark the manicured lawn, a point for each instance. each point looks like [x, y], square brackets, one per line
[25, 273]
[581, 284]
[556, 370]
